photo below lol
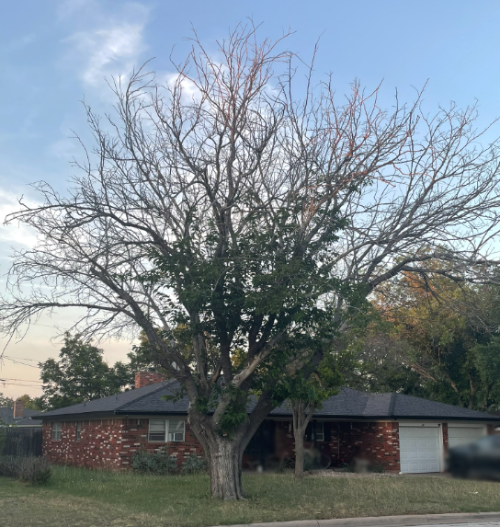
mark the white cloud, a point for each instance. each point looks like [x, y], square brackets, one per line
[14, 233]
[111, 50]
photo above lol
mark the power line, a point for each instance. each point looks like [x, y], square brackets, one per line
[17, 384]
[21, 380]
[15, 361]
[19, 358]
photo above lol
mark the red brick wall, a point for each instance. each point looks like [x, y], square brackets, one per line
[110, 443]
[99, 446]
[375, 441]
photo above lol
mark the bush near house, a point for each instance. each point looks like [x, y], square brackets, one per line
[159, 463]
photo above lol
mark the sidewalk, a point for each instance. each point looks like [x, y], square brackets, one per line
[473, 519]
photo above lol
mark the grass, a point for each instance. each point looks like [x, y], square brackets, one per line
[81, 498]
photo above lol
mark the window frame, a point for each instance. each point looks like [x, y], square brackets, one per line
[56, 431]
[166, 435]
[78, 430]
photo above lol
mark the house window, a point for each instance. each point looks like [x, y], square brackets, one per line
[176, 429]
[319, 430]
[162, 430]
[56, 431]
[157, 429]
[78, 430]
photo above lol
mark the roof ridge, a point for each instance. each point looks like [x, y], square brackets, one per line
[146, 394]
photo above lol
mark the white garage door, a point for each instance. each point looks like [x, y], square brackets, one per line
[419, 449]
[463, 435]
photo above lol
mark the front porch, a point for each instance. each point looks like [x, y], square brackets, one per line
[339, 442]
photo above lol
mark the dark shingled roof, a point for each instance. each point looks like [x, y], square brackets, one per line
[353, 403]
[147, 399]
[7, 418]
[346, 404]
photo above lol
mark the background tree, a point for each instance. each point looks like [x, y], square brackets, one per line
[32, 403]
[6, 402]
[80, 375]
[446, 335]
[225, 202]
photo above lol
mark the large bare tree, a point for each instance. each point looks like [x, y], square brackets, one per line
[224, 202]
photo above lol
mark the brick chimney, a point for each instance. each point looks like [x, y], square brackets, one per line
[18, 409]
[145, 378]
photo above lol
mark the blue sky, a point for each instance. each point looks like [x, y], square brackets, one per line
[55, 53]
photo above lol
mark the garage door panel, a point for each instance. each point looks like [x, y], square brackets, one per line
[419, 449]
[464, 435]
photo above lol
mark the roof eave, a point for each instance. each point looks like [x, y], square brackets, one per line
[76, 417]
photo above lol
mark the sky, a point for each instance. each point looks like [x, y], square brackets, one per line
[54, 54]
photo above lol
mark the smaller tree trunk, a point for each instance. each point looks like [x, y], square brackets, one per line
[302, 415]
[299, 454]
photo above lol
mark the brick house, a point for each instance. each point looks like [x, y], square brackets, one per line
[398, 432]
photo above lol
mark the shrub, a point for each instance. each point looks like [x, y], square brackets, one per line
[34, 470]
[154, 463]
[377, 467]
[309, 461]
[193, 465]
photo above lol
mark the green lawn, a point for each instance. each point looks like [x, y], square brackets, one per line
[80, 498]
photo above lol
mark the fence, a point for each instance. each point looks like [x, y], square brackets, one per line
[21, 441]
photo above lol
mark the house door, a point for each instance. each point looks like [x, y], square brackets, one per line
[420, 448]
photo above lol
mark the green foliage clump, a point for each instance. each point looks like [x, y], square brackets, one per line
[159, 463]
[6, 402]
[193, 465]
[81, 374]
[34, 470]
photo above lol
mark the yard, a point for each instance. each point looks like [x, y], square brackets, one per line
[80, 498]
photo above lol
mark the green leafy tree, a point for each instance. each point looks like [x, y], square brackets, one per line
[32, 403]
[307, 392]
[6, 402]
[446, 334]
[80, 375]
[228, 202]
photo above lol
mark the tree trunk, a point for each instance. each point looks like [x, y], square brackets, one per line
[299, 455]
[301, 414]
[224, 460]
[472, 394]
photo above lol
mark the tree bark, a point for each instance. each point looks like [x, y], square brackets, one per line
[299, 454]
[301, 414]
[224, 460]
